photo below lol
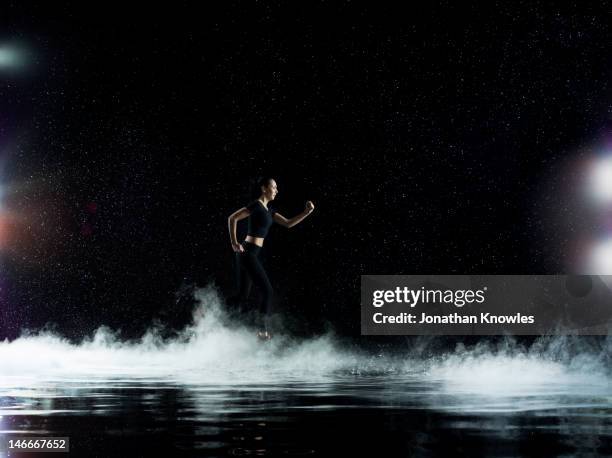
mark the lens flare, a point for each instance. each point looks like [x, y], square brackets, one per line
[600, 257]
[600, 180]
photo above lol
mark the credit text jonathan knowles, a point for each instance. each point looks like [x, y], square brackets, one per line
[458, 298]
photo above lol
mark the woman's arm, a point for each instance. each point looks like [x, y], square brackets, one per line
[231, 224]
[280, 219]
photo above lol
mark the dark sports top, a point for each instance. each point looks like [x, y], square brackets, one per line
[260, 219]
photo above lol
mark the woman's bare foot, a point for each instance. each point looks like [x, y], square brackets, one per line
[264, 335]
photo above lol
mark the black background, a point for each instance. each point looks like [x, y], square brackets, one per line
[422, 136]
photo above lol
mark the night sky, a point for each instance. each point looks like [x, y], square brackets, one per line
[421, 135]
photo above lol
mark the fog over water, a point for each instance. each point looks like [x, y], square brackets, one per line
[215, 350]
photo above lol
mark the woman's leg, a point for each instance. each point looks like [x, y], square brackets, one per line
[242, 281]
[260, 278]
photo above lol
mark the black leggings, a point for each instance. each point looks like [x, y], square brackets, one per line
[248, 270]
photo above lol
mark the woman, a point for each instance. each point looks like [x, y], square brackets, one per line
[248, 266]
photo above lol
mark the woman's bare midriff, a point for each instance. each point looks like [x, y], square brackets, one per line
[256, 240]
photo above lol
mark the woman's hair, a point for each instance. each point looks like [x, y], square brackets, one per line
[257, 183]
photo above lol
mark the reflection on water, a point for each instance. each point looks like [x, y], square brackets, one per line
[340, 413]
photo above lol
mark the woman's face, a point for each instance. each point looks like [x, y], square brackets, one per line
[270, 191]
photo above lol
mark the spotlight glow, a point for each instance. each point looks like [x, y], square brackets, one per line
[600, 180]
[11, 57]
[600, 258]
